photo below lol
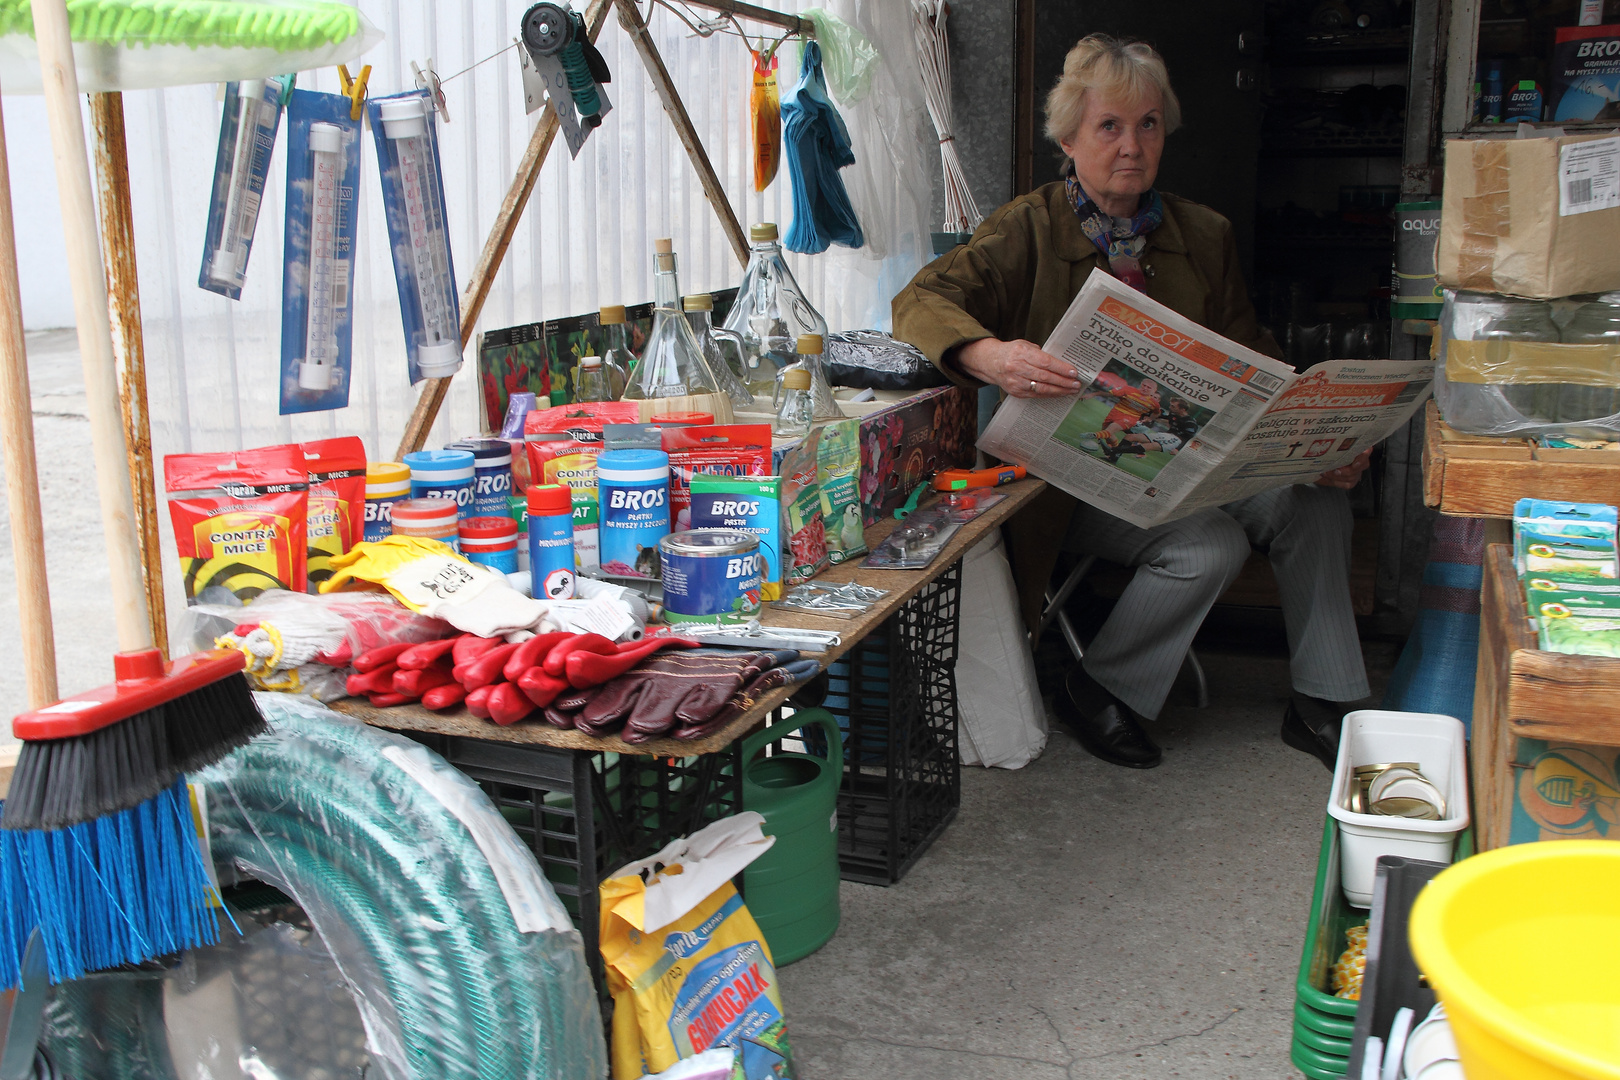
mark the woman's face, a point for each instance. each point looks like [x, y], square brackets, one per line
[1116, 150]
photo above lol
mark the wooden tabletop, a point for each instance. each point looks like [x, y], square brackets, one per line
[902, 585]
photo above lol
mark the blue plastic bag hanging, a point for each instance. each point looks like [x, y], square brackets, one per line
[816, 144]
[407, 139]
[247, 135]
[323, 183]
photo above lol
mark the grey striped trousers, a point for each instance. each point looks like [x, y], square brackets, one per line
[1183, 566]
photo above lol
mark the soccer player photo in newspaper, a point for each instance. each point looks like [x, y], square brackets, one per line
[1130, 421]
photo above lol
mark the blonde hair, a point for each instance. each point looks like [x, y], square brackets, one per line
[1108, 65]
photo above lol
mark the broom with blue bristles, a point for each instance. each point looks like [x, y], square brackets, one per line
[98, 848]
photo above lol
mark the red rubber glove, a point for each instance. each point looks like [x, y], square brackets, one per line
[539, 687]
[376, 681]
[508, 704]
[469, 647]
[478, 701]
[417, 683]
[447, 696]
[424, 654]
[532, 653]
[383, 701]
[593, 669]
[486, 669]
[372, 659]
[556, 658]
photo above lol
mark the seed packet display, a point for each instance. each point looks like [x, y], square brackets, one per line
[511, 361]
[747, 504]
[838, 470]
[1564, 540]
[336, 519]
[715, 450]
[804, 530]
[317, 277]
[239, 519]
[247, 136]
[563, 443]
[1581, 617]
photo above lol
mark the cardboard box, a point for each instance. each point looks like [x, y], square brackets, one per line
[1532, 217]
[908, 443]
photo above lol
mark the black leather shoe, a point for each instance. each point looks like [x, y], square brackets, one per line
[1312, 725]
[1105, 725]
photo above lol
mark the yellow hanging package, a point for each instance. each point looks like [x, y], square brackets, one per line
[688, 966]
[766, 113]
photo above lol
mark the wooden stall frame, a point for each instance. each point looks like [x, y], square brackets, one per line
[1475, 476]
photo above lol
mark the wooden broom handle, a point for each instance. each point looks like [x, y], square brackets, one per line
[22, 477]
[89, 281]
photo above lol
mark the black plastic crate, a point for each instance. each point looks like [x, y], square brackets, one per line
[1391, 980]
[894, 695]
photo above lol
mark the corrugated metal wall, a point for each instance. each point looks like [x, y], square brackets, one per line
[585, 238]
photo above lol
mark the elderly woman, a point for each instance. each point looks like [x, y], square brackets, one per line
[979, 311]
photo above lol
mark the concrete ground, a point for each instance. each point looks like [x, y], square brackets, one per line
[1087, 922]
[1077, 921]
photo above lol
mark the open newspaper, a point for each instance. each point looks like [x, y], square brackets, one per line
[1173, 417]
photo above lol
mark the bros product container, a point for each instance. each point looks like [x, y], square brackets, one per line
[387, 482]
[443, 474]
[492, 474]
[710, 575]
[491, 541]
[551, 541]
[435, 519]
[633, 493]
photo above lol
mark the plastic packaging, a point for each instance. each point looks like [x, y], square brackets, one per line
[239, 519]
[834, 601]
[472, 970]
[323, 182]
[1516, 367]
[713, 449]
[924, 533]
[838, 467]
[699, 310]
[871, 358]
[336, 469]
[848, 58]
[444, 474]
[552, 565]
[247, 135]
[672, 363]
[406, 132]
[120, 46]
[771, 312]
[765, 114]
[804, 532]
[749, 504]
[634, 497]
[387, 482]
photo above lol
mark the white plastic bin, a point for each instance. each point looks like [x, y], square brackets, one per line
[1369, 737]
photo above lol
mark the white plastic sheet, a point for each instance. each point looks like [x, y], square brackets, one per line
[1003, 718]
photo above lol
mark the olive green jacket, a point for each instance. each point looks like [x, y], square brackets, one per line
[1017, 277]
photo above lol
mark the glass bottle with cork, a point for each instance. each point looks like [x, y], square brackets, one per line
[591, 380]
[618, 357]
[672, 364]
[699, 310]
[770, 314]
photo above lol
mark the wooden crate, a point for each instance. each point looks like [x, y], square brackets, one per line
[1473, 476]
[1546, 733]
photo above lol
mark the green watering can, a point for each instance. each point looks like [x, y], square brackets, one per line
[792, 890]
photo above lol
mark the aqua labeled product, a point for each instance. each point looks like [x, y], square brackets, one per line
[633, 493]
[443, 474]
[711, 575]
[491, 541]
[551, 541]
[492, 475]
[387, 482]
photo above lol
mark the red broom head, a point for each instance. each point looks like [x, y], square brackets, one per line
[145, 681]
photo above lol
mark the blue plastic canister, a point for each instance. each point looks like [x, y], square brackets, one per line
[492, 475]
[633, 494]
[491, 541]
[443, 474]
[551, 541]
[387, 482]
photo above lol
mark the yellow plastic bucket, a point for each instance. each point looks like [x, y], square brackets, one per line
[1520, 945]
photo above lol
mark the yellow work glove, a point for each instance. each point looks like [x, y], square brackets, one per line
[426, 576]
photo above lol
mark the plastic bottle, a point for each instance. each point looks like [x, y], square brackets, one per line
[700, 314]
[1597, 324]
[672, 364]
[618, 358]
[633, 488]
[491, 541]
[590, 380]
[770, 313]
[798, 409]
[443, 474]
[551, 541]
[1492, 108]
[387, 482]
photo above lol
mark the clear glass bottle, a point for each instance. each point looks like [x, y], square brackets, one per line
[672, 363]
[770, 313]
[699, 310]
[807, 351]
[618, 358]
[1522, 320]
[1595, 323]
[591, 381]
[798, 408]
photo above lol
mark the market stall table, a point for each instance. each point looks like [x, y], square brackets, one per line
[638, 796]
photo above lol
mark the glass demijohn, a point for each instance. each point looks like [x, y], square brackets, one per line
[672, 364]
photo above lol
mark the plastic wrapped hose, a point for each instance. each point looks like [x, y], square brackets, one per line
[457, 954]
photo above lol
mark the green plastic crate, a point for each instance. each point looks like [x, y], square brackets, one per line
[1335, 1026]
[1317, 1065]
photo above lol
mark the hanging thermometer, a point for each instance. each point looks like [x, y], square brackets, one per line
[255, 136]
[438, 342]
[320, 327]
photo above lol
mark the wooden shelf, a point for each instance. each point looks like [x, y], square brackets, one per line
[1473, 476]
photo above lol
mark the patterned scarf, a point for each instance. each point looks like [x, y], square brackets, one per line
[1121, 239]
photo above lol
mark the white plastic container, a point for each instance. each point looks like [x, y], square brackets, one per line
[1370, 737]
